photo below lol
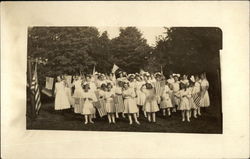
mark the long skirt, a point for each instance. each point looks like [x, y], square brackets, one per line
[87, 108]
[70, 98]
[78, 105]
[130, 105]
[119, 104]
[205, 101]
[151, 106]
[184, 104]
[110, 106]
[61, 101]
[141, 97]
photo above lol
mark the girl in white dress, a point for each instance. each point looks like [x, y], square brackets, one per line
[109, 103]
[204, 102]
[77, 95]
[196, 96]
[184, 102]
[140, 100]
[88, 98]
[192, 92]
[68, 86]
[119, 99]
[61, 99]
[185, 80]
[171, 79]
[150, 106]
[176, 88]
[166, 102]
[130, 103]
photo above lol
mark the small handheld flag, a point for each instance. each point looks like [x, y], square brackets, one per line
[115, 68]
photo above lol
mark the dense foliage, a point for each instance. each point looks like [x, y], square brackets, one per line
[72, 50]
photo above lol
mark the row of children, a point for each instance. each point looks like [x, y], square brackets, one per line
[130, 93]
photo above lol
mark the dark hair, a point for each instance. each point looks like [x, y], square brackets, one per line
[149, 86]
[191, 83]
[103, 86]
[125, 83]
[88, 75]
[109, 84]
[182, 86]
[84, 86]
[120, 83]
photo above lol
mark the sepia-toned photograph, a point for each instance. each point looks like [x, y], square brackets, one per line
[124, 79]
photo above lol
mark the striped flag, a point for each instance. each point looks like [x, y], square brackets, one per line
[197, 99]
[35, 90]
[100, 106]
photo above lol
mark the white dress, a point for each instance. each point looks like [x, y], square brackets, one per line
[61, 99]
[109, 102]
[140, 100]
[205, 101]
[176, 88]
[166, 100]
[151, 101]
[87, 103]
[191, 91]
[129, 101]
[184, 102]
[78, 89]
[171, 80]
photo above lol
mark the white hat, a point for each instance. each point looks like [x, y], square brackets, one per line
[175, 74]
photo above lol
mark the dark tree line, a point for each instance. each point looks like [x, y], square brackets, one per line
[71, 50]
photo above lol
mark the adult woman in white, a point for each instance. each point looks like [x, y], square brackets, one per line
[205, 101]
[61, 99]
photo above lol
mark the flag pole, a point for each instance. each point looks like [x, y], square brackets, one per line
[32, 107]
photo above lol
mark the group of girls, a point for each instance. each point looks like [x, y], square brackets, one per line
[131, 94]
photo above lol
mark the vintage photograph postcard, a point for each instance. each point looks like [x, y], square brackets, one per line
[125, 79]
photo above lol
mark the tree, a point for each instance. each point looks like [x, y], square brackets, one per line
[69, 50]
[189, 50]
[129, 49]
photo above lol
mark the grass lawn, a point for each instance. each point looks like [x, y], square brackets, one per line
[49, 119]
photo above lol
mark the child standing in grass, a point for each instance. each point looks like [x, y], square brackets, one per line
[130, 103]
[119, 99]
[88, 97]
[151, 106]
[184, 102]
[166, 102]
[192, 92]
[176, 88]
[109, 103]
[140, 100]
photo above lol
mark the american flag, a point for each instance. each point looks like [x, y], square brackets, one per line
[35, 90]
[100, 106]
[197, 99]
